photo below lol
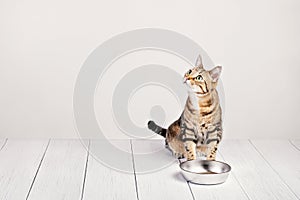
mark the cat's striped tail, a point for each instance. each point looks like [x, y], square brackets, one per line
[157, 129]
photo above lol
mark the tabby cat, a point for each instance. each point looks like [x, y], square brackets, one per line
[198, 131]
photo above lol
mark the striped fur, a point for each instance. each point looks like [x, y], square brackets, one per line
[198, 131]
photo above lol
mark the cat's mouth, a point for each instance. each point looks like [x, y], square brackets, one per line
[200, 94]
[191, 88]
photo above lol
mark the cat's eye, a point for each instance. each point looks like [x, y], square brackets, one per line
[189, 72]
[199, 78]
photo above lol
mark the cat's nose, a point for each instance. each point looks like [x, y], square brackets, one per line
[185, 79]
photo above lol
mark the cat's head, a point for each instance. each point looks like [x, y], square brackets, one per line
[201, 81]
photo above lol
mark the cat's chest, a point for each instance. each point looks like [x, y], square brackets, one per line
[203, 127]
[193, 102]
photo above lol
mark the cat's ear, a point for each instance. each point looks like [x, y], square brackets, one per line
[199, 62]
[215, 73]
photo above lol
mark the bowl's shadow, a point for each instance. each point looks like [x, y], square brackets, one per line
[179, 177]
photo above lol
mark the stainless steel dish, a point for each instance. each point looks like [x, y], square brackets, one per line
[205, 172]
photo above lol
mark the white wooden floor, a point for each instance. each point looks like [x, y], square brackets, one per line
[63, 169]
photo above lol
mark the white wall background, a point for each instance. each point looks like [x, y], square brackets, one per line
[44, 43]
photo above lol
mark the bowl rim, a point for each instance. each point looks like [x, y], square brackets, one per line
[229, 167]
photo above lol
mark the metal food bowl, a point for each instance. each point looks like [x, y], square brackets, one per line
[205, 172]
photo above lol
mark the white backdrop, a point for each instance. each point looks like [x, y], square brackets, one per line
[43, 45]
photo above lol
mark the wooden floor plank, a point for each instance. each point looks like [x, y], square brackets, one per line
[228, 190]
[103, 182]
[284, 159]
[61, 172]
[19, 160]
[164, 182]
[254, 174]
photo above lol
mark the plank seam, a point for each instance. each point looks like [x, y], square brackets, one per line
[243, 189]
[272, 168]
[85, 169]
[3, 144]
[188, 183]
[294, 145]
[134, 171]
[37, 171]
